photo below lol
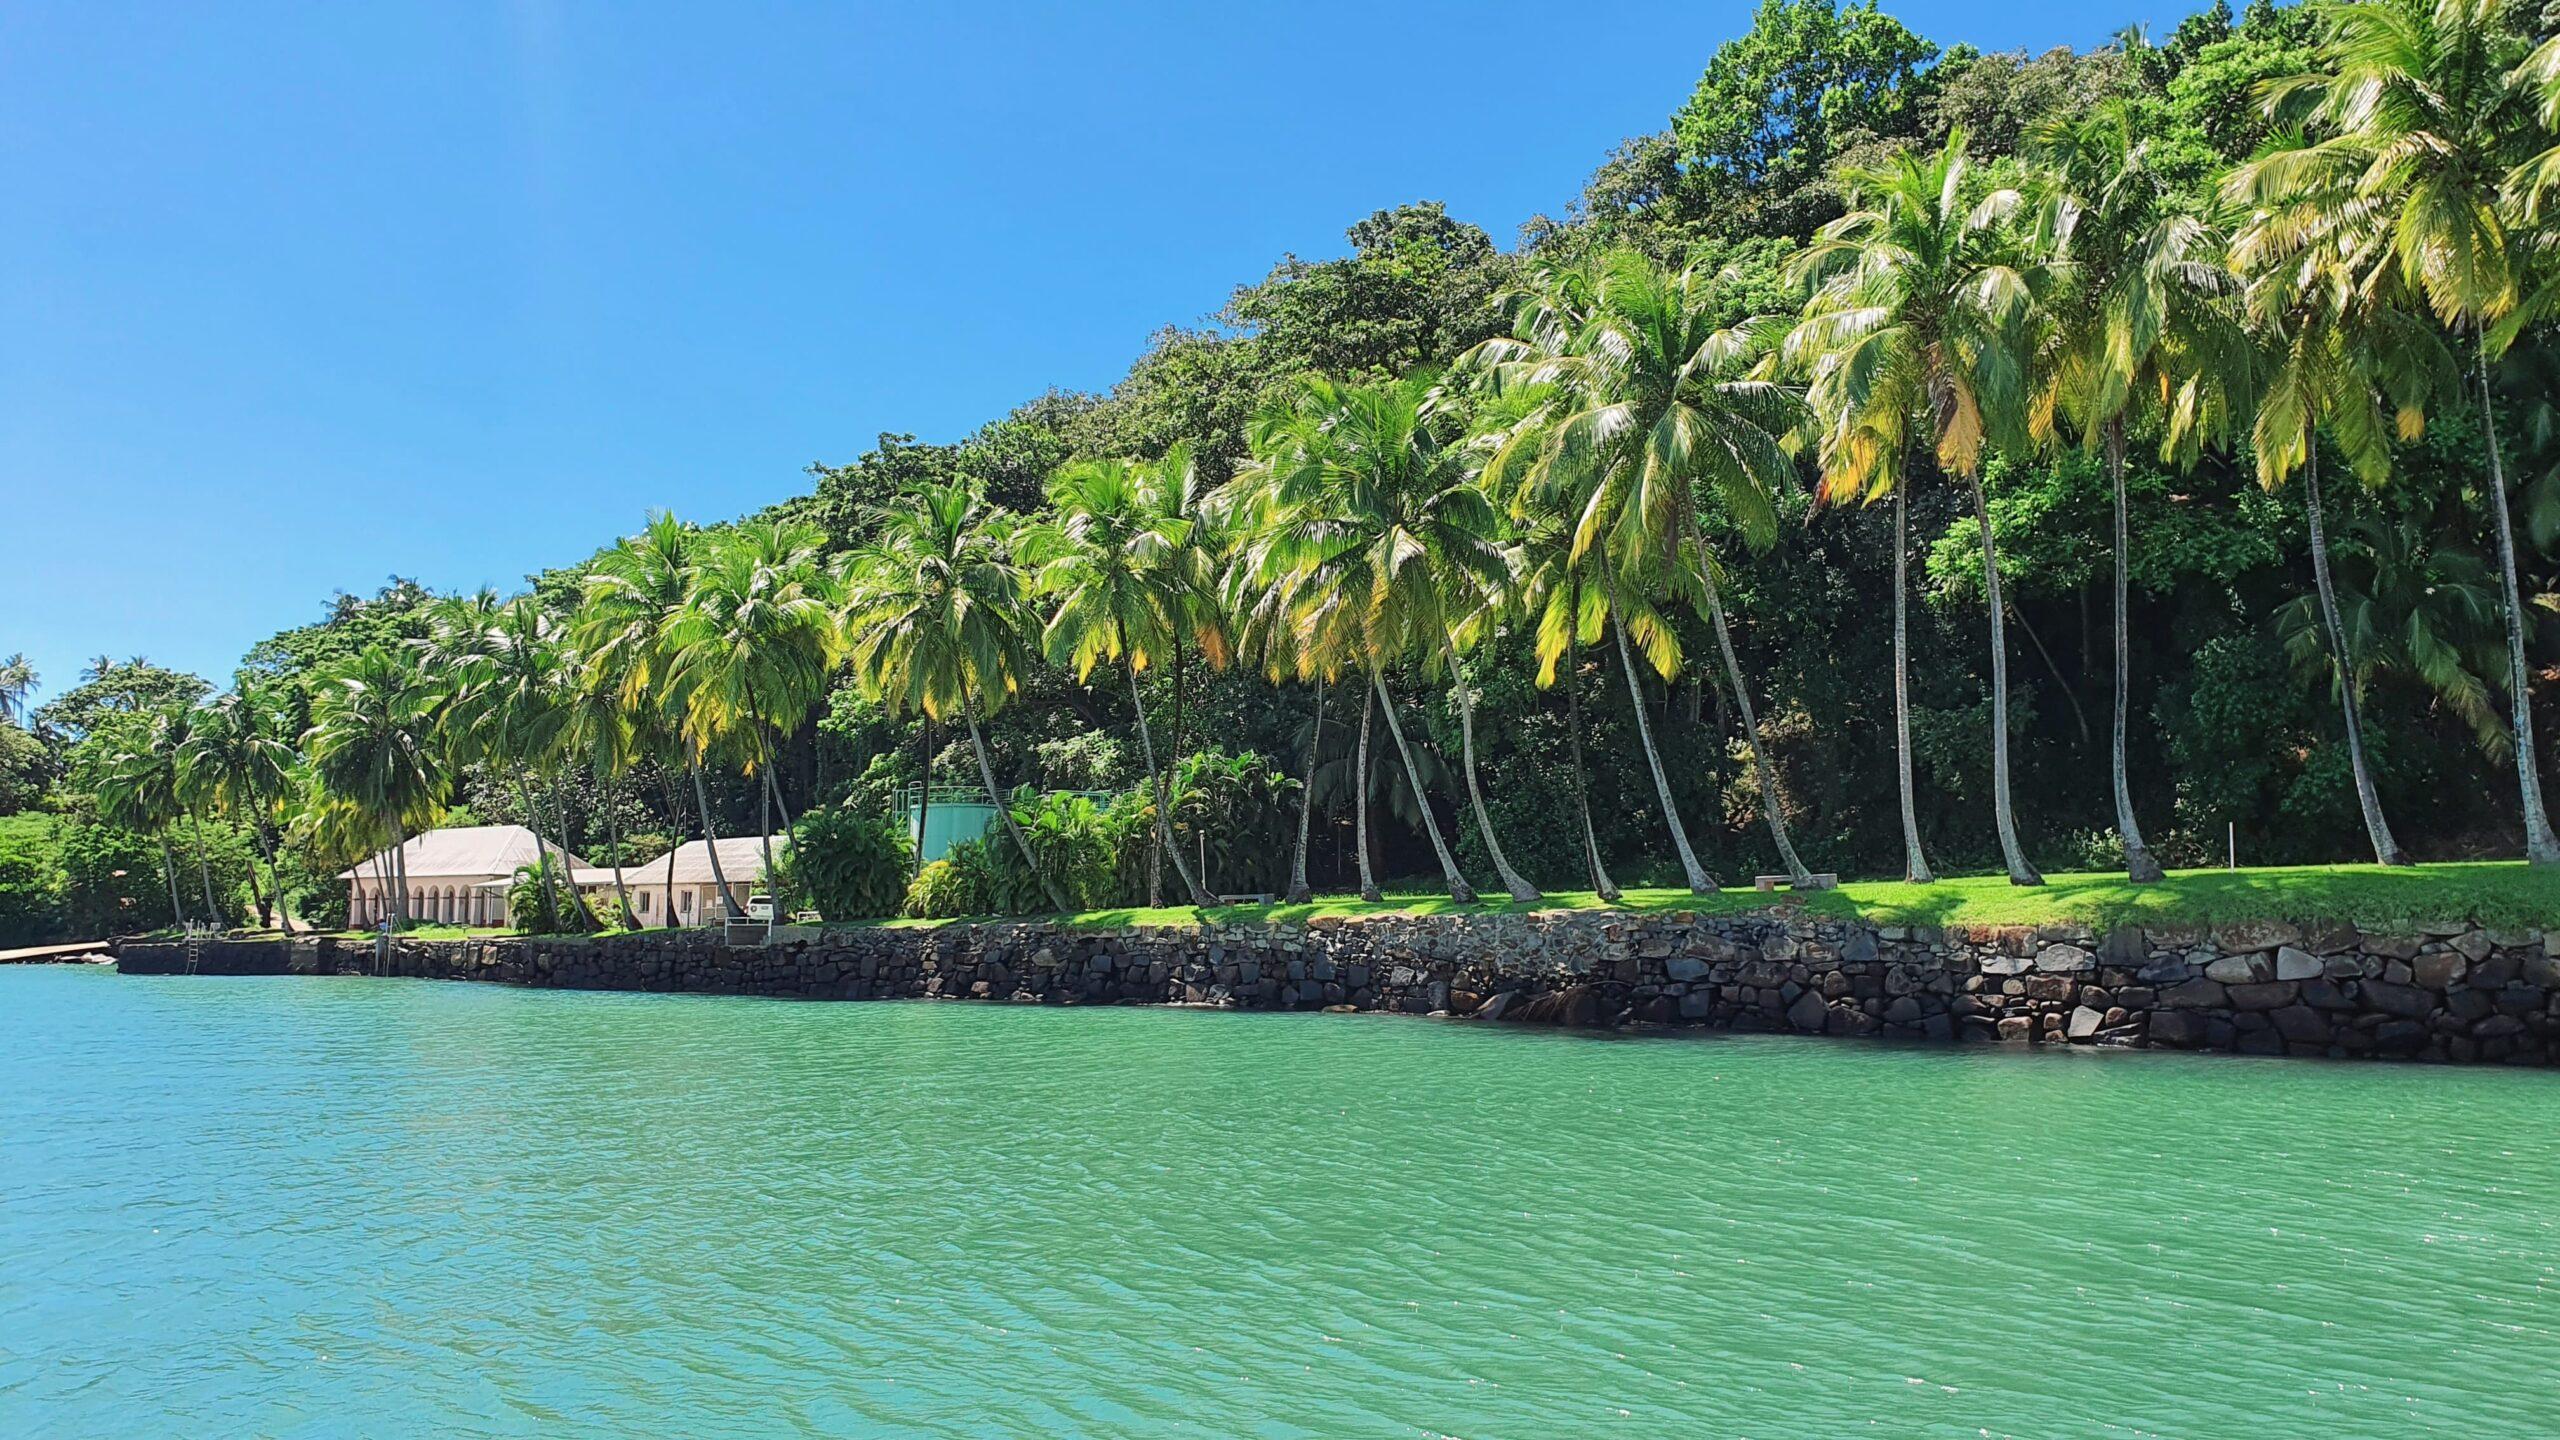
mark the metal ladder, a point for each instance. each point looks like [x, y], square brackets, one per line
[195, 946]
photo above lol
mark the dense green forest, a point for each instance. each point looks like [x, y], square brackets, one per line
[1650, 549]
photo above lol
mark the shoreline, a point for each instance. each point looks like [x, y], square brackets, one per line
[2453, 992]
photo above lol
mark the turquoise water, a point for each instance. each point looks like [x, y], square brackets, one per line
[300, 1207]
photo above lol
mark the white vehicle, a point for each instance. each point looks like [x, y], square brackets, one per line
[759, 907]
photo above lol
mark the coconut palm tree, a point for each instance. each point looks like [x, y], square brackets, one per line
[633, 595]
[373, 742]
[1917, 332]
[1382, 514]
[1170, 493]
[2433, 112]
[1111, 563]
[2143, 321]
[17, 680]
[237, 755]
[2339, 357]
[138, 789]
[2416, 609]
[504, 675]
[937, 620]
[751, 650]
[600, 729]
[1556, 595]
[1647, 413]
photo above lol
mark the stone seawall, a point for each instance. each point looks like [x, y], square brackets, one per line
[2440, 992]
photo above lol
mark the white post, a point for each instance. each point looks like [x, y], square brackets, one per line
[2231, 835]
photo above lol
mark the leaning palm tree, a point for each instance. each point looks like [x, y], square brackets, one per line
[1110, 563]
[1382, 515]
[751, 650]
[2144, 318]
[2338, 357]
[373, 742]
[1646, 414]
[600, 730]
[1917, 332]
[634, 592]
[239, 758]
[937, 620]
[2433, 112]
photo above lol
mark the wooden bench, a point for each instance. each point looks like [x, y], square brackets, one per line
[1818, 882]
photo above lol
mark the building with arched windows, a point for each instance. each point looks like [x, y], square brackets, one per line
[456, 876]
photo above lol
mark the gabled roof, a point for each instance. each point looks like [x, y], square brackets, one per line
[741, 858]
[474, 852]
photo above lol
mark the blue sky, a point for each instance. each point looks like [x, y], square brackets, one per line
[296, 297]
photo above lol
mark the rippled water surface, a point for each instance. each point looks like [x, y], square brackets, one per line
[392, 1208]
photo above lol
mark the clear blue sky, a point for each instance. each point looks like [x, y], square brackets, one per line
[296, 297]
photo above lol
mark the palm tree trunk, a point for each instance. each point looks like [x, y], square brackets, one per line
[1915, 865]
[2541, 847]
[541, 856]
[2139, 865]
[1459, 889]
[710, 846]
[675, 819]
[1700, 882]
[275, 876]
[774, 878]
[924, 803]
[1770, 808]
[1300, 892]
[399, 876]
[764, 838]
[1520, 890]
[1155, 783]
[2020, 872]
[169, 871]
[2386, 850]
[621, 893]
[1601, 884]
[576, 911]
[204, 867]
[1013, 827]
[1360, 801]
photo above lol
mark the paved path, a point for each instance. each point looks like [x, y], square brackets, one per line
[44, 954]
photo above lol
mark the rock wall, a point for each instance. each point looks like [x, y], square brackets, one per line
[2441, 992]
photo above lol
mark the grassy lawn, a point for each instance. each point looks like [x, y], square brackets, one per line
[2495, 893]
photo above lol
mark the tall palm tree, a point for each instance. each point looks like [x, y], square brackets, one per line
[936, 615]
[503, 674]
[1917, 332]
[2416, 609]
[1645, 415]
[751, 650]
[1171, 494]
[1381, 515]
[138, 789]
[633, 595]
[237, 754]
[2339, 357]
[1265, 600]
[373, 742]
[599, 729]
[173, 732]
[1110, 561]
[2432, 116]
[2143, 322]
[17, 681]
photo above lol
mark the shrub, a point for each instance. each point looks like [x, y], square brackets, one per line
[114, 881]
[847, 864]
[529, 914]
[955, 885]
[1076, 848]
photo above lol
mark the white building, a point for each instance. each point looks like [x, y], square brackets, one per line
[457, 876]
[692, 896]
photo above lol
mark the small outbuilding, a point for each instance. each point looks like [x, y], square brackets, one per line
[690, 895]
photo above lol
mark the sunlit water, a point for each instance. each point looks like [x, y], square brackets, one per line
[391, 1208]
